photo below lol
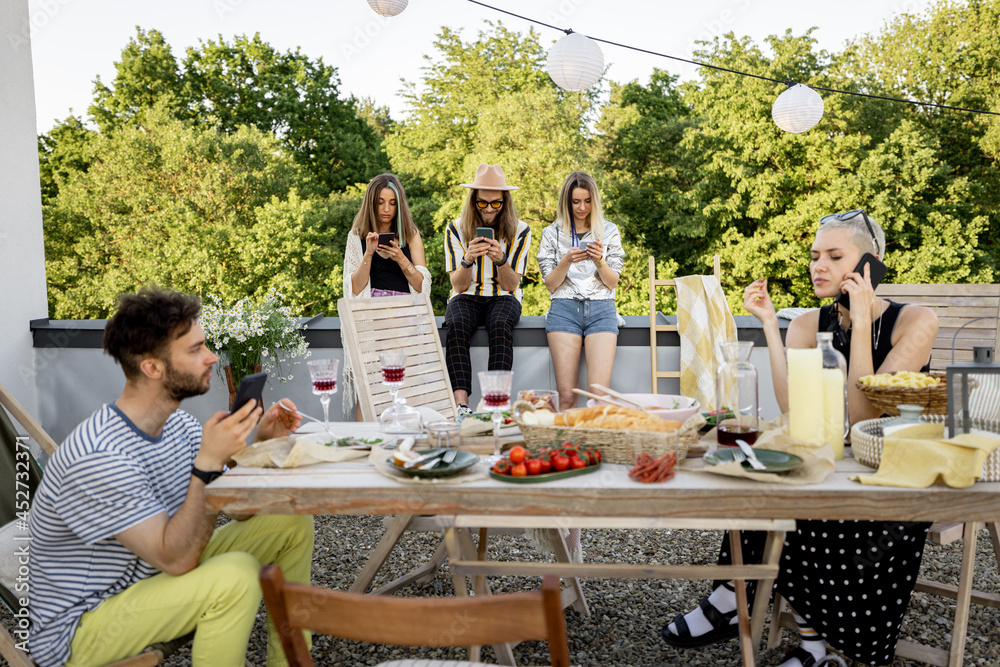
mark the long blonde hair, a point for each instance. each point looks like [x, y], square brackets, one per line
[564, 212]
[506, 221]
[366, 221]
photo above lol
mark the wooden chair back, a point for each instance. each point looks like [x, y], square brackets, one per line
[372, 326]
[461, 621]
[656, 326]
[954, 305]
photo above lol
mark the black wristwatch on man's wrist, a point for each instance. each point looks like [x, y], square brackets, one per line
[207, 476]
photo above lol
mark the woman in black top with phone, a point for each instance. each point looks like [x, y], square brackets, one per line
[384, 256]
[848, 582]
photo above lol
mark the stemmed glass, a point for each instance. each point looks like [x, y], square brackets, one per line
[398, 417]
[323, 373]
[495, 386]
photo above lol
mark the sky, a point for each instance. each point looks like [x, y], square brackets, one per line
[74, 41]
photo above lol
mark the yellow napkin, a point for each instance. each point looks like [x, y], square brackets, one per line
[703, 321]
[917, 456]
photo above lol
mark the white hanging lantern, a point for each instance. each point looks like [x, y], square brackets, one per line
[797, 109]
[575, 62]
[387, 7]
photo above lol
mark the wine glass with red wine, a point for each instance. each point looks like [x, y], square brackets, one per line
[398, 417]
[495, 387]
[323, 373]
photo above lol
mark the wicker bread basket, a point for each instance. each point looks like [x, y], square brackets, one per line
[616, 445]
[866, 442]
[934, 400]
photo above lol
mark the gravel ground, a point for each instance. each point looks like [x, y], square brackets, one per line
[626, 615]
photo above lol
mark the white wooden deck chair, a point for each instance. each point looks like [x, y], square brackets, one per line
[368, 328]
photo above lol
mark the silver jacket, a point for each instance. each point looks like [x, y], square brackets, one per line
[582, 282]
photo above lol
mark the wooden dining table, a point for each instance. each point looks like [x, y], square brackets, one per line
[605, 498]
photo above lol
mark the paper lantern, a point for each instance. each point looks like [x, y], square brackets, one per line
[797, 109]
[575, 62]
[387, 7]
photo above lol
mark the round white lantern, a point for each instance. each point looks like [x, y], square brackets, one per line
[575, 62]
[797, 109]
[387, 7]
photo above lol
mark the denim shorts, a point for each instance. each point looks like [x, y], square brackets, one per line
[582, 317]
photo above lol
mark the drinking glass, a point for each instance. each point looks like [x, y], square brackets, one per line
[323, 373]
[398, 417]
[736, 389]
[495, 387]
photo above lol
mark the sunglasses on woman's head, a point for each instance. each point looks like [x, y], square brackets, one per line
[482, 204]
[847, 215]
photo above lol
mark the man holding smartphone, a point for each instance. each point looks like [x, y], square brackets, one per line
[486, 253]
[123, 553]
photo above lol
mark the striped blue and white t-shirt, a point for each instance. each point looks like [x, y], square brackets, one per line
[105, 478]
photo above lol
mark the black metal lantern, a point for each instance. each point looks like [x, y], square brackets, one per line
[982, 364]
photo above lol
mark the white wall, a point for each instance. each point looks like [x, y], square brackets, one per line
[22, 255]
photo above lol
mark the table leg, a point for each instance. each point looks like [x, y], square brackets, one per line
[772, 556]
[958, 632]
[504, 652]
[382, 550]
[746, 646]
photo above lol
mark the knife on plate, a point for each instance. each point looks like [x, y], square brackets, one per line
[751, 455]
[426, 458]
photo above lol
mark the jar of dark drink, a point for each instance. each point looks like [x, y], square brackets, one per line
[736, 395]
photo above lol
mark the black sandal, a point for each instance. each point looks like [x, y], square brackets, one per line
[721, 630]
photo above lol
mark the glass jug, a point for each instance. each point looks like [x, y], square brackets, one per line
[736, 390]
[835, 424]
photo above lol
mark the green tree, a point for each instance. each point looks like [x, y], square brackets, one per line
[247, 82]
[193, 208]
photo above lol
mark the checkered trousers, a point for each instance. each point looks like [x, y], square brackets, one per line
[465, 314]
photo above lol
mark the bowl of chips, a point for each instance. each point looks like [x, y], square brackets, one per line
[928, 390]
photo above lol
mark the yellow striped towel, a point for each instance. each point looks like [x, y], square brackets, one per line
[703, 321]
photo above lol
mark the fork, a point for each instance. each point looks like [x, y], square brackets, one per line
[305, 416]
[746, 453]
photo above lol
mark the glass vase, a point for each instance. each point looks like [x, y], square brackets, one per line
[736, 390]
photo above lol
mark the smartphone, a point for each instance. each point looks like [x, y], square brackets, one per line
[251, 386]
[584, 245]
[484, 232]
[387, 238]
[878, 270]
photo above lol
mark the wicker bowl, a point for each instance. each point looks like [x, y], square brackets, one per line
[934, 400]
[616, 445]
[866, 443]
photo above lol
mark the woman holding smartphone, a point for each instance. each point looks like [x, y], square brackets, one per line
[384, 255]
[581, 258]
[848, 582]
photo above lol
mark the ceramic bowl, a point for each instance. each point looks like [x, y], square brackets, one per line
[665, 404]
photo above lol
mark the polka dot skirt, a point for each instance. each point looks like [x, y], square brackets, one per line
[850, 580]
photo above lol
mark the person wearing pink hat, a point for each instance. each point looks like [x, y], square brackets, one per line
[486, 253]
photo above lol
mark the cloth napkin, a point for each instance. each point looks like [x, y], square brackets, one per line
[381, 460]
[817, 460]
[703, 321]
[293, 451]
[918, 456]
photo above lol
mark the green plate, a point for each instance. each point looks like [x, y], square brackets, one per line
[773, 460]
[462, 461]
[545, 477]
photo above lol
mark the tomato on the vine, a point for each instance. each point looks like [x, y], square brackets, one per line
[575, 462]
[534, 466]
[519, 471]
[560, 462]
[546, 465]
[501, 467]
[517, 454]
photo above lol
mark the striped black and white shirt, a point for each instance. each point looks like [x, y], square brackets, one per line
[485, 276]
[106, 477]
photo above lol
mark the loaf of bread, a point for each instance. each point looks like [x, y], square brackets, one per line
[615, 417]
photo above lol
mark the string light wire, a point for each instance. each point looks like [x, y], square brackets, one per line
[733, 71]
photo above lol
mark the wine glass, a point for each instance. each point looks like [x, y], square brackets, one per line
[398, 417]
[495, 386]
[323, 373]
